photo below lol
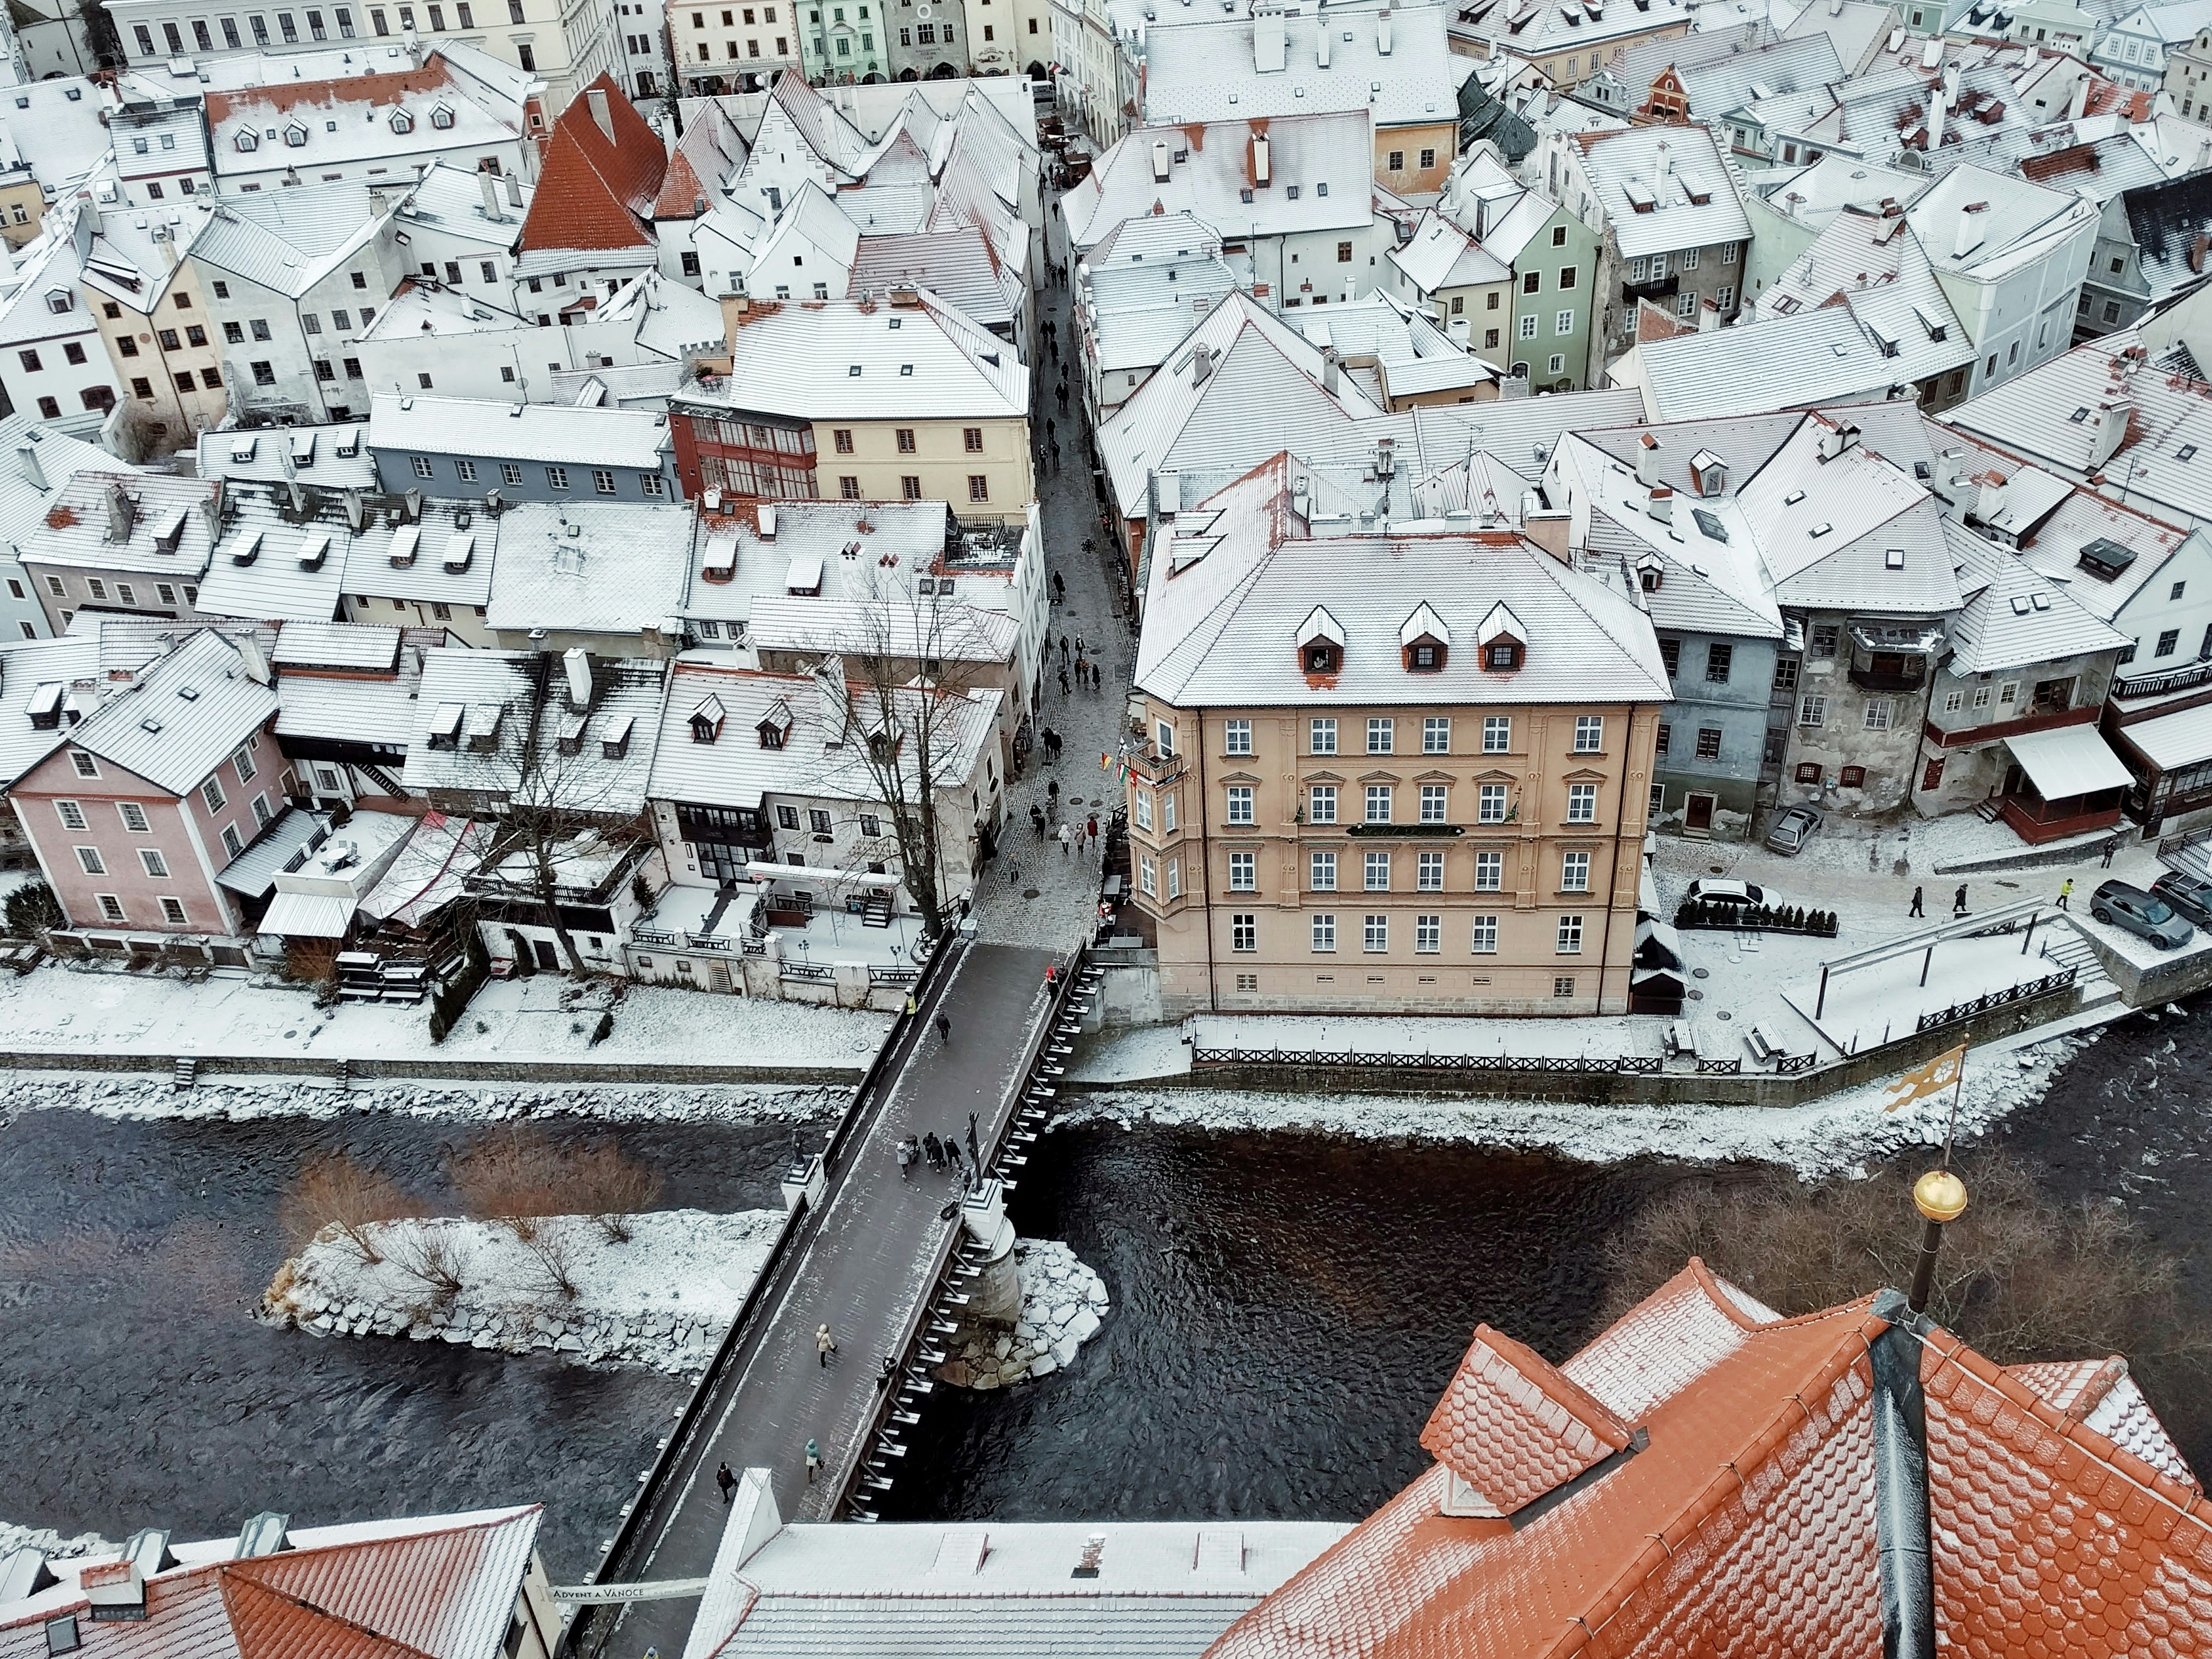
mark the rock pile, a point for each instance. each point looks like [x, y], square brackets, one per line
[1063, 1302]
[667, 1342]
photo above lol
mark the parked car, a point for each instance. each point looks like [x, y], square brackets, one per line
[1789, 832]
[2190, 895]
[1748, 894]
[2119, 905]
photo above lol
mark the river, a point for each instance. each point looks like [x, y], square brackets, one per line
[1285, 1308]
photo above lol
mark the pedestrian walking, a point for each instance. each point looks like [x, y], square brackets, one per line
[905, 1157]
[909, 1004]
[1080, 647]
[1063, 682]
[1958, 900]
[1058, 587]
[1014, 866]
[1048, 429]
[1094, 677]
[813, 1459]
[1063, 650]
[944, 1029]
[1052, 792]
[1066, 838]
[726, 1481]
[952, 1157]
[1036, 812]
[931, 1150]
[1915, 910]
[2066, 893]
[890, 1369]
[1091, 828]
[824, 1345]
[2111, 847]
[974, 1157]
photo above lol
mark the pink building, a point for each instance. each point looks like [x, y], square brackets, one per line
[154, 785]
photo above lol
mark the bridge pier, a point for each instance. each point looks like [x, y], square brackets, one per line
[995, 1295]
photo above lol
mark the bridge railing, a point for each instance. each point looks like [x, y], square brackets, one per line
[905, 1352]
[588, 1632]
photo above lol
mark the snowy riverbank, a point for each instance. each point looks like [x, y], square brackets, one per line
[244, 1098]
[1062, 1302]
[662, 1297]
[48, 1542]
[1839, 1133]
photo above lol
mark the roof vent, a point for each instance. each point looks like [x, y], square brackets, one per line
[2105, 559]
[264, 1535]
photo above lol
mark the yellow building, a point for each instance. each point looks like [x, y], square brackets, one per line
[153, 317]
[857, 400]
[1399, 772]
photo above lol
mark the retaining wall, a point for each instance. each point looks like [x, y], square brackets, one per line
[457, 1071]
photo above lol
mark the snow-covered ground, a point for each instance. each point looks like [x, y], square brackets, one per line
[662, 1297]
[1062, 1302]
[1597, 1037]
[131, 1096]
[61, 1008]
[1839, 1133]
[1864, 1008]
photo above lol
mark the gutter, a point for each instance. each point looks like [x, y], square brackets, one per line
[1904, 1554]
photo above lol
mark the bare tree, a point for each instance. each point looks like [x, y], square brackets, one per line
[611, 1189]
[333, 1190]
[554, 1250]
[905, 696]
[512, 1175]
[431, 1254]
[2020, 1276]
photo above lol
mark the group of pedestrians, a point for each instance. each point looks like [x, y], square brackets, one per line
[938, 1153]
[1085, 670]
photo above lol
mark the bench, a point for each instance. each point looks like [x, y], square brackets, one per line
[1680, 1040]
[1762, 1047]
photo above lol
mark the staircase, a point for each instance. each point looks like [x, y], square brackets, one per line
[188, 1072]
[878, 911]
[392, 786]
[1988, 810]
[2065, 947]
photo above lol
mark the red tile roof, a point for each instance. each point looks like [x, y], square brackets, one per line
[392, 87]
[595, 192]
[1745, 1522]
[1513, 1428]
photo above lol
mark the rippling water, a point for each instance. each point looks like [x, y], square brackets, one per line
[136, 1390]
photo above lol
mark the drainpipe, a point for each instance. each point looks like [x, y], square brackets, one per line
[1613, 875]
[1206, 869]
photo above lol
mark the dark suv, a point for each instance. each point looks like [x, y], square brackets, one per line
[2190, 894]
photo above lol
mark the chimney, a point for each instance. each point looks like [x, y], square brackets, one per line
[1662, 167]
[2108, 424]
[1936, 101]
[595, 98]
[1269, 43]
[2077, 103]
[1662, 506]
[513, 190]
[122, 513]
[356, 512]
[1160, 160]
[1329, 370]
[379, 204]
[1261, 173]
[1838, 439]
[1647, 460]
[576, 663]
[1550, 527]
[26, 456]
[1383, 31]
[249, 651]
[493, 209]
[211, 510]
[1201, 366]
[836, 708]
[1970, 227]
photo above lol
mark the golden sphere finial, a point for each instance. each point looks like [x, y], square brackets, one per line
[1940, 1195]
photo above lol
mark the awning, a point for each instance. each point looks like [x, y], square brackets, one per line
[2174, 740]
[309, 915]
[289, 839]
[2073, 760]
[762, 870]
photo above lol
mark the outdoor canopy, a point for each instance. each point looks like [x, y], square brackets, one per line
[2073, 760]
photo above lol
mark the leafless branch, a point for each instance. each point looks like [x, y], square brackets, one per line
[333, 1190]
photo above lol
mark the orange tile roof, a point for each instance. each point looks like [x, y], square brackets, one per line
[594, 193]
[1513, 1428]
[1745, 1522]
[394, 86]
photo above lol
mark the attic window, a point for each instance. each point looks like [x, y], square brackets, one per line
[2187, 451]
[247, 141]
[854, 370]
[1709, 526]
[1502, 656]
[706, 721]
[2079, 414]
[441, 117]
[1793, 498]
[1245, 195]
[1820, 529]
[1426, 641]
[402, 121]
[445, 726]
[1321, 642]
[614, 741]
[1893, 559]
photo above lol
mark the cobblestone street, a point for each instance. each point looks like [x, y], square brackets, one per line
[1032, 893]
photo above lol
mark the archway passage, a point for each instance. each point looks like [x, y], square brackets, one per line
[944, 72]
[1035, 71]
[907, 74]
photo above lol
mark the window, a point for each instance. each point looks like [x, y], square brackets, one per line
[1147, 883]
[1574, 873]
[1343, 249]
[1428, 933]
[1381, 736]
[1563, 323]
[86, 766]
[1877, 713]
[1709, 742]
[233, 334]
[1240, 803]
[1485, 941]
[155, 864]
[30, 361]
[1433, 803]
[910, 486]
[509, 472]
[88, 857]
[1164, 737]
[979, 487]
[1571, 941]
[2167, 642]
[842, 438]
[1532, 281]
[1236, 737]
[71, 814]
[1719, 658]
[1563, 985]
[133, 816]
[557, 477]
[422, 466]
[1490, 804]
[1174, 878]
[1435, 734]
[1589, 733]
[1324, 933]
[1666, 739]
[1375, 933]
[1809, 772]
[1320, 803]
[971, 439]
[1142, 809]
[1812, 711]
[1243, 872]
[466, 471]
[1497, 734]
[1243, 930]
[211, 792]
[242, 763]
[1321, 737]
[1321, 871]
[1582, 803]
[1379, 803]
[111, 907]
[1489, 872]
[1852, 777]
[1785, 674]
[1528, 326]
[1377, 871]
[1397, 163]
[1168, 812]
[787, 817]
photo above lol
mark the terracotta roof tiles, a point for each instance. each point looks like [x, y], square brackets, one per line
[595, 191]
[1513, 1428]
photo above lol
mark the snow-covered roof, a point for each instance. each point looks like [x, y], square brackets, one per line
[1842, 528]
[1441, 255]
[330, 456]
[1815, 358]
[472, 721]
[843, 360]
[615, 569]
[1664, 189]
[416, 424]
[2015, 615]
[392, 115]
[166, 521]
[1396, 62]
[1873, 263]
[35, 676]
[183, 715]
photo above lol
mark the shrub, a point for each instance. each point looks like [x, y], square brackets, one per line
[453, 997]
[554, 1251]
[517, 1176]
[333, 1190]
[604, 1029]
[432, 1254]
[33, 908]
[1685, 915]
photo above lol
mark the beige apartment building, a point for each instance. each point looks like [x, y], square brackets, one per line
[1404, 773]
[732, 48]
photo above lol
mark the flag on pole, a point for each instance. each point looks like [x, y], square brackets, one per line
[1937, 1075]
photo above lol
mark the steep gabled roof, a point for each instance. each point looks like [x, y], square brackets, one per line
[709, 151]
[596, 191]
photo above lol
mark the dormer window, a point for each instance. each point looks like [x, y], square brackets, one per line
[1651, 576]
[402, 121]
[1424, 641]
[774, 728]
[58, 301]
[295, 136]
[707, 721]
[1321, 642]
[441, 117]
[1504, 640]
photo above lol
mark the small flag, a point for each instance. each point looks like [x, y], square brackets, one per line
[1937, 1075]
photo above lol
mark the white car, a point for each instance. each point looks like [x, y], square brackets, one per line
[1747, 895]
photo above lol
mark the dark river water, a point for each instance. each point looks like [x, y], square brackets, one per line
[1285, 1310]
